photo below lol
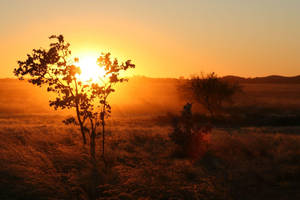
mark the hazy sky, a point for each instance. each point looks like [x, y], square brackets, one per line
[164, 38]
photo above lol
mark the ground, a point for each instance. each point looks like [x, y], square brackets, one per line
[41, 158]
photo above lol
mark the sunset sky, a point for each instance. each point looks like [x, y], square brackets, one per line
[164, 38]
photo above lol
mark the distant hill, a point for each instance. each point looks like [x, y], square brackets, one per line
[274, 79]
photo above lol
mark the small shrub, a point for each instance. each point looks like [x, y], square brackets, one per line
[191, 140]
[210, 91]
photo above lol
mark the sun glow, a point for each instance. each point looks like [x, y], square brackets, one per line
[90, 71]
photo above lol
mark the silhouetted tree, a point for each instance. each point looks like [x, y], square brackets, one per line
[112, 69]
[210, 91]
[55, 68]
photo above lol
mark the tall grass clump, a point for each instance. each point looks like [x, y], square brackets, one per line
[43, 162]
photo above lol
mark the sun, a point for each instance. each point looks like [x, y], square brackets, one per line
[90, 71]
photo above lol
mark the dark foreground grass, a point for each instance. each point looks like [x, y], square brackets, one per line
[40, 158]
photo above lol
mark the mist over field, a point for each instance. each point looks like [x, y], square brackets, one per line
[138, 95]
[142, 95]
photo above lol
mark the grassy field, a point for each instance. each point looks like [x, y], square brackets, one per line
[40, 158]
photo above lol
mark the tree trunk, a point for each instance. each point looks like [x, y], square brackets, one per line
[103, 137]
[103, 129]
[82, 133]
[78, 115]
[93, 145]
[81, 125]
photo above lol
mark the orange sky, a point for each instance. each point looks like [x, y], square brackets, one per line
[168, 38]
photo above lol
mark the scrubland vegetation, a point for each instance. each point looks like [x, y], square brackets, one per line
[41, 158]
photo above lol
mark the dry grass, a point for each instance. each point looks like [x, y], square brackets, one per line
[42, 159]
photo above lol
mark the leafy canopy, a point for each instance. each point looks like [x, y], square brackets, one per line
[55, 68]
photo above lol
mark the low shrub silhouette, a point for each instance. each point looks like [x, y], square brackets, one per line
[210, 91]
[191, 139]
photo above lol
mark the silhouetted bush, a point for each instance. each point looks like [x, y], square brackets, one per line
[190, 138]
[210, 91]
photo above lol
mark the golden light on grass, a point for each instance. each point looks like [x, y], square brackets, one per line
[90, 71]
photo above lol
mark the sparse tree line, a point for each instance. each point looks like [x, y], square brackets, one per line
[57, 69]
